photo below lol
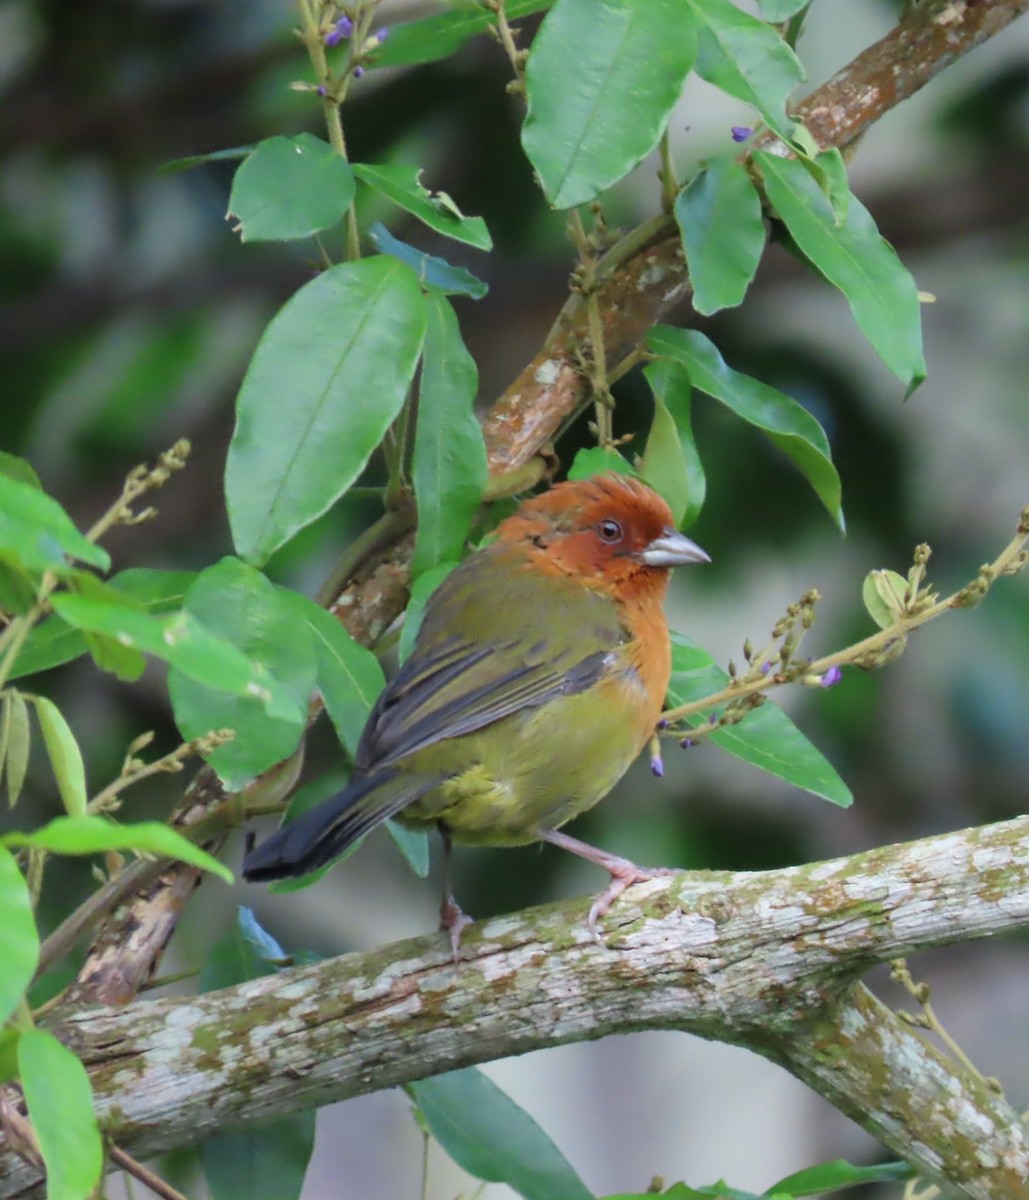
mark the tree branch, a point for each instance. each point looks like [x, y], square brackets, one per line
[765, 960]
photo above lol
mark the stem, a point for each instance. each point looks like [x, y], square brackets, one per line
[667, 175]
[155, 1183]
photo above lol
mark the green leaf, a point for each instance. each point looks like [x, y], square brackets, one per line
[486, 1133]
[60, 1104]
[671, 387]
[196, 160]
[17, 586]
[65, 756]
[326, 381]
[399, 183]
[765, 737]
[434, 273]
[185, 642]
[19, 470]
[124, 662]
[662, 464]
[781, 10]
[19, 941]
[855, 258]
[595, 460]
[422, 589]
[36, 533]
[17, 743]
[440, 35]
[267, 1161]
[746, 58]
[788, 426]
[723, 234]
[239, 604]
[602, 79]
[290, 187]
[54, 641]
[832, 1176]
[349, 676]
[95, 835]
[449, 468]
[413, 844]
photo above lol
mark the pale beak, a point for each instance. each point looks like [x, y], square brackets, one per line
[672, 549]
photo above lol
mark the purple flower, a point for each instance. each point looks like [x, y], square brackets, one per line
[382, 34]
[740, 133]
[657, 766]
[832, 677]
[358, 72]
[765, 668]
[322, 90]
[685, 743]
[343, 28]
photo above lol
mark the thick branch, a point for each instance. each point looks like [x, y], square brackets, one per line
[764, 960]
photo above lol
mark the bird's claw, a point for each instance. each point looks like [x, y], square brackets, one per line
[455, 921]
[622, 877]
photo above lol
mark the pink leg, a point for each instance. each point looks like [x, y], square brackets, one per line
[451, 917]
[623, 873]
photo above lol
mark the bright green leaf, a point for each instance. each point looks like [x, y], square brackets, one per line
[54, 641]
[434, 273]
[423, 587]
[662, 464]
[883, 595]
[746, 58]
[765, 737]
[124, 662]
[349, 676]
[326, 381]
[19, 470]
[60, 1104]
[37, 533]
[449, 468]
[238, 603]
[19, 941]
[440, 35]
[399, 183]
[595, 460]
[96, 835]
[671, 386]
[17, 736]
[602, 79]
[788, 426]
[855, 258]
[290, 187]
[65, 756]
[486, 1133]
[833, 1176]
[723, 234]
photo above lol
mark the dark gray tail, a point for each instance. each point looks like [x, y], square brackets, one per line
[319, 836]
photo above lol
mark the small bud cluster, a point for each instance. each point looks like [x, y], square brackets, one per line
[340, 27]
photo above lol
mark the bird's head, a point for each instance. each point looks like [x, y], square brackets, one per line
[611, 532]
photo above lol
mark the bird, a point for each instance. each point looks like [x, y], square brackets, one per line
[537, 677]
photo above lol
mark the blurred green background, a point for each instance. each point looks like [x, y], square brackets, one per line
[128, 311]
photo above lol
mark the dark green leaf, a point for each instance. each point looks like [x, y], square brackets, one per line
[765, 737]
[723, 234]
[433, 272]
[832, 1176]
[55, 641]
[349, 675]
[19, 941]
[413, 844]
[602, 79]
[290, 187]
[325, 383]
[671, 387]
[855, 258]
[449, 468]
[18, 587]
[36, 533]
[423, 587]
[19, 470]
[746, 58]
[440, 35]
[196, 160]
[65, 756]
[788, 426]
[594, 460]
[486, 1133]
[17, 742]
[94, 835]
[60, 1104]
[239, 604]
[399, 183]
[124, 662]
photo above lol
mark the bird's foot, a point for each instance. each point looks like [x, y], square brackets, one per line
[455, 921]
[623, 875]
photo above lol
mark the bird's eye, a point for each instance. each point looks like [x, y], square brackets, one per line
[610, 531]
